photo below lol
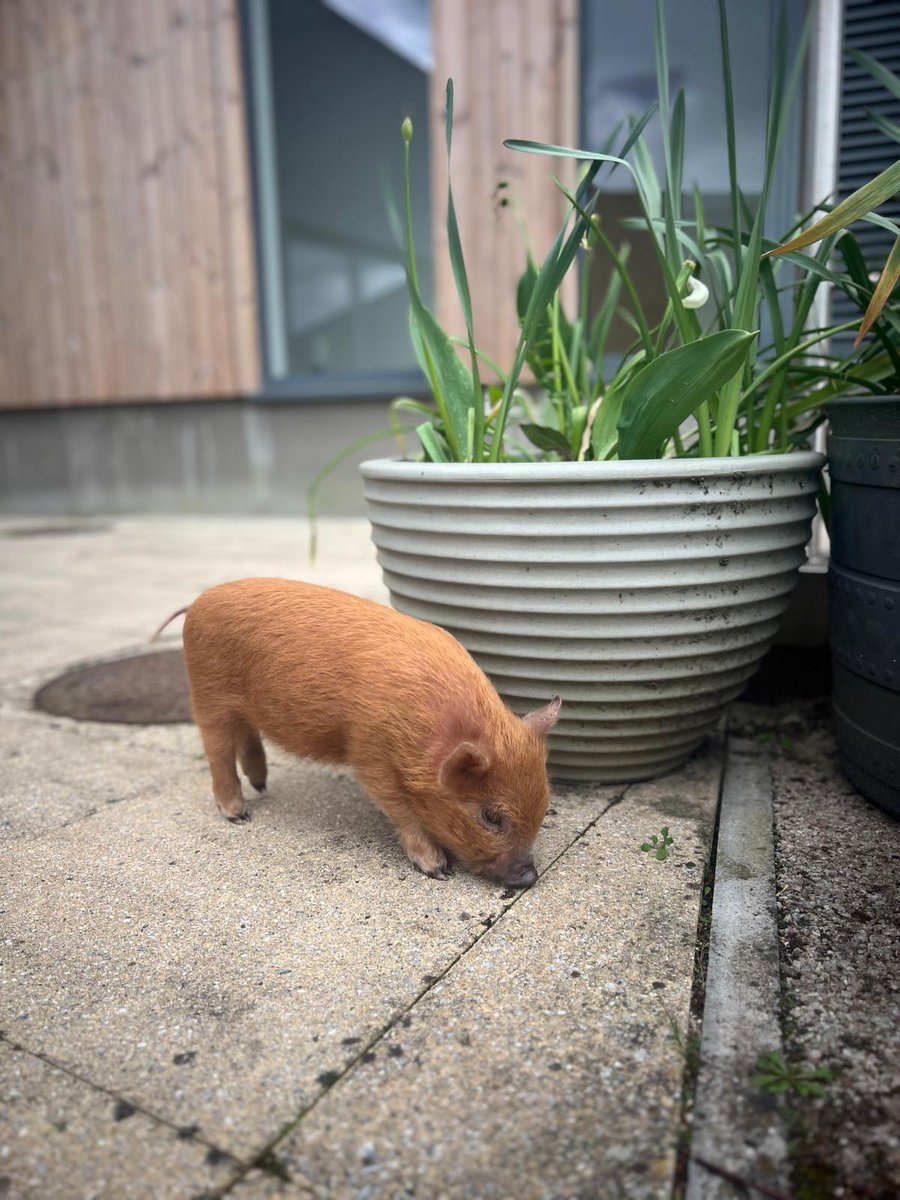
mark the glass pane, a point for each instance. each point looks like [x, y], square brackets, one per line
[619, 81]
[344, 75]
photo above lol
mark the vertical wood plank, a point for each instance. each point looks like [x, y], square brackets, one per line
[166, 163]
[115, 212]
[512, 224]
[212, 241]
[163, 323]
[476, 186]
[45, 337]
[62, 42]
[196, 366]
[569, 100]
[94, 203]
[235, 195]
[27, 221]
[129, 242]
[449, 60]
[82, 268]
[514, 63]
[13, 371]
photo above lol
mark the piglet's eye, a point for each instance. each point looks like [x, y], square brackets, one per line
[492, 819]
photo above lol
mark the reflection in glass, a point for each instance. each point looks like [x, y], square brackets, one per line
[344, 75]
[619, 81]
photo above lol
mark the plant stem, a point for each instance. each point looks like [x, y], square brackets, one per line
[704, 430]
[410, 251]
[570, 378]
[630, 289]
[586, 259]
[553, 315]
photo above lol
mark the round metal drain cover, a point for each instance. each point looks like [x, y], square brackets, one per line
[147, 689]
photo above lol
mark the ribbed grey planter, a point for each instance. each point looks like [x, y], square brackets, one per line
[644, 593]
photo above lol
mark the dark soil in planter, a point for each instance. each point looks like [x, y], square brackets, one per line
[143, 689]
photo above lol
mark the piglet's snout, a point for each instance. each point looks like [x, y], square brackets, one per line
[522, 877]
[518, 871]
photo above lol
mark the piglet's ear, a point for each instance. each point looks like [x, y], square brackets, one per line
[542, 720]
[465, 762]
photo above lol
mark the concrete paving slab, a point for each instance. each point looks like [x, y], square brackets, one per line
[180, 739]
[546, 1064]
[55, 772]
[131, 611]
[61, 1139]
[53, 646]
[258, 1185]
[219, 974]
[188, 551]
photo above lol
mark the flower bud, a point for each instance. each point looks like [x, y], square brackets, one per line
[591, 232]
[406, 130]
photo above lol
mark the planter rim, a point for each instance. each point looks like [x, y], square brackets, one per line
[580, 472]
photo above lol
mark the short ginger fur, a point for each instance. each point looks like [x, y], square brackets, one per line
[332, 677]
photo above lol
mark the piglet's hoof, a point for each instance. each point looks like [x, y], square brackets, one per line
[434, 867]
[240, 818]
[435, 873]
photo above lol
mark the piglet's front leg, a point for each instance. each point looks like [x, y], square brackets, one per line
[424, 854]
[384, 785]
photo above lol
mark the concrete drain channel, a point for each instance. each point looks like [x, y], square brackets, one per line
[143, 689]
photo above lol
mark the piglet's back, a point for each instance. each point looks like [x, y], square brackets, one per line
[301, 661]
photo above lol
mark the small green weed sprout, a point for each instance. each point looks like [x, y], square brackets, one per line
[658, 844]
[778, 1078]
[779, 740]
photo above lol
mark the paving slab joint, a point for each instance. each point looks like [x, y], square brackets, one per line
[125, 1108]
[689, 1042]
[267, 1159]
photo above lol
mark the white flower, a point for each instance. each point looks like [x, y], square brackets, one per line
[698, 294]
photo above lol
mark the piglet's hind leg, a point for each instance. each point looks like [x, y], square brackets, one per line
[219, 744]
[251, 755]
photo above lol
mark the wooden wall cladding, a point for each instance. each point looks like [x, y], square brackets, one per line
[514, 65]
[126, 252]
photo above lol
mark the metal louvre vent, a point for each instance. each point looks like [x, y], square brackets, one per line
[872, 26]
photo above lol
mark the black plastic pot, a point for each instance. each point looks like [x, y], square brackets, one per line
[864, 592]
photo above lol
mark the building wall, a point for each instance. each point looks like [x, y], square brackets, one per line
[230, 456]
[127, 271]
[515, 70]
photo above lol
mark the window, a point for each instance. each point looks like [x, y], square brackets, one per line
[330, 83]
[619, 81]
